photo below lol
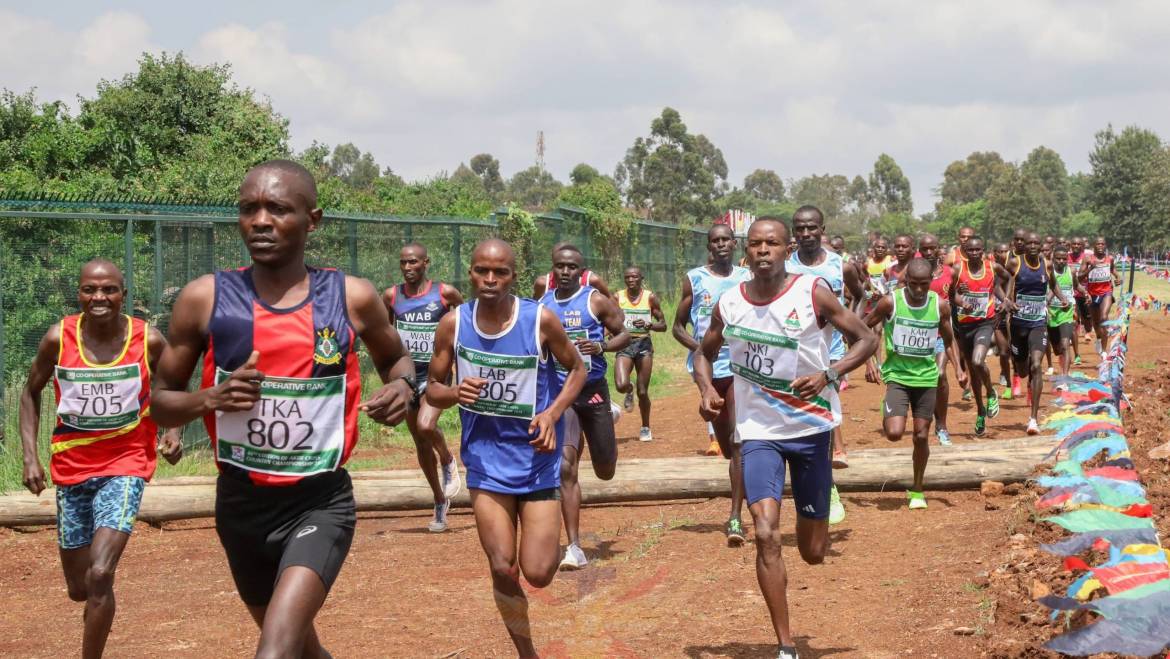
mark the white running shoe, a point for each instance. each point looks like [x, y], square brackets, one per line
[788, 652]
[1003, 381]
[1050, 371]
[1033, 427]
[439, 523]
[574, 558]
[615, 410]
[452, 481]
[644, 435]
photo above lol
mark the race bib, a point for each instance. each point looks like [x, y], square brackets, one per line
[99, 398]
[914, 338]
[574, 335]
[879, 284]
[511, 382]
[762, 357]
[419, 339]
[637, 314]
[297, 428]
[1099, 274]
[1031, 308]
[1067, 292]
[978, 301]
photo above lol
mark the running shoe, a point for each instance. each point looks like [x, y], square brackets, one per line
[840, 460]
[844, 385]
[439, 523]
[836, 508]
[734, 531]
[980, 425]
[993, 404]
[1002, 380]
[967, 395]
[713, 448]
[788, 652]
[628, 404]
[1050, 371]
[452, 482]
[574, 559]
[1007, 393]
[644, 435]
[917, 500]
[944, 437]
[1077, 361]
[1033, 427]
[1017, 386]
[615, 411]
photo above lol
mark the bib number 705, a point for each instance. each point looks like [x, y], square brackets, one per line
[279, 434]
[100, 405]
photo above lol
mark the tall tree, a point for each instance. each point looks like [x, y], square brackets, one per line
[889, 187]
[1120, 162]
[1155, 200]
[765, 185]
[965, 181]
[487, 168]
[1018, 200]
[355, 168]
[1047, 167]
[533, 188]
[583, 173]
[672, 173]
[828, 192]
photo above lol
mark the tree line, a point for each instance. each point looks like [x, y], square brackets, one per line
[175, 129]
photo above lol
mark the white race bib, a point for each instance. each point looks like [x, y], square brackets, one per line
[419, 339]
[978, 301]
[511, 382]
[1031, 308]
[574, 336]
[297, 428]
[1099, 274]
[914, 338]
[637, 314]
[99, 398]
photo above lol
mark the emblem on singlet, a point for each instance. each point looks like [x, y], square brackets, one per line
[792, 322]
[325, 351]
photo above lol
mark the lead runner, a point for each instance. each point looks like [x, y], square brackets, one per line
[280, 399]
[779, 328]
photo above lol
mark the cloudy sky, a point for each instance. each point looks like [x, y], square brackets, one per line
[796, 87]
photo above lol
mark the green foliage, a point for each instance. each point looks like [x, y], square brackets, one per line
[583, 173]
[965, 181]
[1019, 200]
[518, 227]
[487, 168]
[533, 188]
[1047, 167]
[1154, 196]
[889, 188]
[948, 221]
[828, 192]
[1120, 162]
[1085, 224]
[765, 185]
[892, 224]
[674, 175]
[610, 225]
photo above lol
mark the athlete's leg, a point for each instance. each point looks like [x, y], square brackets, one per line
[724, 433]
[1005, 362]
[104, 555]
[571, 492]
[944, 395]
[75, 563]
[622, 366]
[1097, 310]
[540, 537]
[980, 375]
[645, 366]
[495, 520]
[921, 451]
[428, 424]
[424, 448]
[1036, 368]
[770, 571]
[286, 623]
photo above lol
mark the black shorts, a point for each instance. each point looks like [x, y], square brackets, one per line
[1026, 340]
[639, 347]
[263, 530]
[972, 334]
[594, 420]
[547, 494]
[1083, 311]
[900, 398]
[1058, 335]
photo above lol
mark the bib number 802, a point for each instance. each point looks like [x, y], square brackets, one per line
[501, 391]
[279, 434]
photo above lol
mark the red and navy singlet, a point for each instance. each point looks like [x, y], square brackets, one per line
[416, 318]
[550, 280]
[103, 410]
[306, 420]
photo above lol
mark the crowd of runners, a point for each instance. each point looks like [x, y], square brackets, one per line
[771, 338]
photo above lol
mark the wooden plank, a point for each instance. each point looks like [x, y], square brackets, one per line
[646, 479]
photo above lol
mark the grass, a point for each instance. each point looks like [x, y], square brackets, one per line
[1144, 285]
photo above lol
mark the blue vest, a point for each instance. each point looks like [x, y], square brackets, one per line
[1031, 295]
[832, 270]
[579, 322]
[416, 319]
[707, 288]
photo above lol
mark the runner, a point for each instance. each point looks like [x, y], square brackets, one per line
[978, 287]
[808, 225]
[415, 307]
[1031, 282]
[955, 254]
[941, 281]
[903, 253]
[1099, 275]
[778, 329]
[914, 319]
[1061, 319]
[505, 386]
[102, 450]
[700, 291]
[1011, 385]
[1083, 323]
[586, 318]
[875, 269]
[588, 278]
[642, 314]
[280, 372]
[1019, 237]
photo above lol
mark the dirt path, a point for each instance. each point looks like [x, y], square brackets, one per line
[662, 584]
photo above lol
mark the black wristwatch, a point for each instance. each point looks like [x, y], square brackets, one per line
[414, 388]
[833, 377]
[602, 345]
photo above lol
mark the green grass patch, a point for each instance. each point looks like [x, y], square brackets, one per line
[1144, 285]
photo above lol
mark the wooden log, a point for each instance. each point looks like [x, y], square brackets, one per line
[642, 479]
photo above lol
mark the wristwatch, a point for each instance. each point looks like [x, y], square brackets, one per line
[414, 388]
[601, 345]
[832, 377]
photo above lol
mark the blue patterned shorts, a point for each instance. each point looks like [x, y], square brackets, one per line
[109, 501]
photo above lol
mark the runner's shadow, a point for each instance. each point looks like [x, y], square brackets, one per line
[753, 650]
[896, 501]
[705, 527]
[604, 550]
[836, 537]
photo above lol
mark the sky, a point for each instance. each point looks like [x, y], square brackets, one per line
[799, 88]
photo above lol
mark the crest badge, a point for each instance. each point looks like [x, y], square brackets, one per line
[326, 351]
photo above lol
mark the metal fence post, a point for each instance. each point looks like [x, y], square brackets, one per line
[128, 269]
[456, 256]
[351, 243]
[156, 299]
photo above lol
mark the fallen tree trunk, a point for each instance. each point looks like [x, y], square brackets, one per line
[650, 479]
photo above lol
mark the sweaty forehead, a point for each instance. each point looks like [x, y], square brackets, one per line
[277, 184]
[568, 256]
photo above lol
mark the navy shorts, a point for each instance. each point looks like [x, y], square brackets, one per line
[809, 462]
[109, 501]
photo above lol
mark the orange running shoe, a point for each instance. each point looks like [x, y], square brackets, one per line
[713, 448]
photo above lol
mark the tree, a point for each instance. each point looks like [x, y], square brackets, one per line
[1018, 200]
[950, 219]
[672, 174]
[764, 184]
[487, 169]
[889, 187]
[583, 174]
[1120, 163]
[965, 181]
[828, 192]
[1047, 167]
[858, 192]
[533, 188]
[1085, 224]
[1078, 193]
[355, 168]
[1155, 199]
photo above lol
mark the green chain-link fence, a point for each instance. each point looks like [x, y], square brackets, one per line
[161, 247]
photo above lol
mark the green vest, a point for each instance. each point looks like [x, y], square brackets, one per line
[911, 334]
[1058, 315]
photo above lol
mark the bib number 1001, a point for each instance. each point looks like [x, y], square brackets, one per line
[279, 434]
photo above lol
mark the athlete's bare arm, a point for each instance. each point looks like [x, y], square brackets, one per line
[30, 406]
[439, 393]
[955, 290]
[861, 341]
[611, 318]
[710, 402]
[881, 312]
[388, 302]
[658, 323]
[948, 336]
[171, 404]
[854, 283]
[597, 282]
[1005, 286]
[539, 286]
[683, 316]
[171, 442]
[450, 295]
[368, 316]
[553, 335]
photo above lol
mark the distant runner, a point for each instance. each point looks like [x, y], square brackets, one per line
[642, 314]
[540, 285]
[1099, 275]
[1061, 319]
